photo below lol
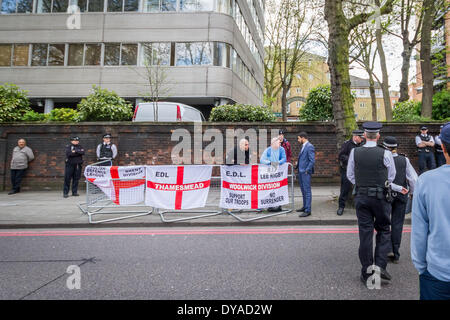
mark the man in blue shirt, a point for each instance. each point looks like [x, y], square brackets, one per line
[430, 236]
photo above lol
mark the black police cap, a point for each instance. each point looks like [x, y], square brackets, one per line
[390, 142]
[108, 135]
[76, 138]
[372, 126]
[358, 133]
[423, 128]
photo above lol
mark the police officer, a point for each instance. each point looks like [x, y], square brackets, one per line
[371, 168]
[425, 144]
[346, 185]
[440, 159]
[402, 186]
[106, 151]
[74, 161]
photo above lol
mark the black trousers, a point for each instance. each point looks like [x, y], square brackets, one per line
[426, 161]
[72, 173]
[373, 214]
[397, 220]
[16, 178]
[346, 188]
[440, 159]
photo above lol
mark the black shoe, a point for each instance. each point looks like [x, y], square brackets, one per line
[66, 196]
[301, 210]
[304, 214]
[385, 275]
[277, 209]
[12, 192]
[75, 194]
[270, 209]
[396, 260]
[340, 211]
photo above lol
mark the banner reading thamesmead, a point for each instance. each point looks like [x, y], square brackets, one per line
[254, 186]
[122, 185]
[177, 187]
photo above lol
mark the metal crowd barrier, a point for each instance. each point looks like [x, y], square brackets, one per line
[97, 202]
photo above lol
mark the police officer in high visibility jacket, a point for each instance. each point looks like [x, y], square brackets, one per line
[425, 144]
[402, 187]
[74, 162]
[106, 151]
[372, 169]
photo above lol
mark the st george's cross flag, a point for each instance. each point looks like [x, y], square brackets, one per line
[177, 187]
[122, 185]
[254, 186]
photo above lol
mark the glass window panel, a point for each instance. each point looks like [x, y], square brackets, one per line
[92, 54]
[20, 55]
[188, 5]
[75, 54]
[161, 53]
[44, 6]
[196, 53]
[115, 5]
[151, 6]
[95, 6]
[220, 55]
[8, 6]
[5, 55]
[56, 54]
[25, 6]
[39, 55]
[131, 5]
[129, 55]
[168, 5]
[205, 5]
[224, 6]
[204, 54]
[60, 5]
[82, 4]
[112, 54]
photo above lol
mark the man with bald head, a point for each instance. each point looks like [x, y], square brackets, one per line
[19, 164]
[239, 155]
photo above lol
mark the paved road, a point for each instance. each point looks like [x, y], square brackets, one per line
[194, 263]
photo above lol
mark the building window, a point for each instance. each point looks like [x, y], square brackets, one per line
[195, 53]
[299, 90]
[60, 5]
[16, 6]
[20, 57]
[76, 52]
[44, 6]
[131, 5]
[188, 5]
[362, 104]
[151, 5]
[5, 55]
[362, 91]
[92, 54]
[112, 54]
[168, 5]
[224, 6]
[298, 105]
[128, 55]
[378, 105]
[206, 5]
[221, 54]
[39, 54]
[115, 5]
[56, 53]
[95, 5]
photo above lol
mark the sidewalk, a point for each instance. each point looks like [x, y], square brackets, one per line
[48, 209]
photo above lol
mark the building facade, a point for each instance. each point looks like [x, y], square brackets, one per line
[211, 51]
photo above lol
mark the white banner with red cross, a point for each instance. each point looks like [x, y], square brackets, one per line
[122, 185]
[254, 186]
[177, 187]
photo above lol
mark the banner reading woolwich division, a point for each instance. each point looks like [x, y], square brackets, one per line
[254, 187]
[130, 189]
[177, 187]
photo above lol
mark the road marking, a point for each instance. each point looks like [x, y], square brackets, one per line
[122, 232]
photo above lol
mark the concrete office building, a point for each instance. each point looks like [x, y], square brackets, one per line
[210, 50]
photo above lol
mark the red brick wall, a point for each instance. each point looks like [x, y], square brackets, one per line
[151, 144]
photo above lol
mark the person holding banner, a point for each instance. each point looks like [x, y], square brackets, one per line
[274, 155]
[305, 166]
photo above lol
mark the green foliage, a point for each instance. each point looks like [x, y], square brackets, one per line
[103, 105]
[318, 106]
[34, 116]
[441, 105]
[241, 113]
[407, 111]
[14, 103]
[63, 114]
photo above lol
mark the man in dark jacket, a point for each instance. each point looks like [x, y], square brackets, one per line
[346, 185]
[286, 145]
[239, 155]
[74, 161]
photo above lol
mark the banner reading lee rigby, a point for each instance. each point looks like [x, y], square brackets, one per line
[177, 187]
[254, 186]
[122, 185]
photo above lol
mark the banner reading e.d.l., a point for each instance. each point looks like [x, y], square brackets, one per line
[254, 186]
[177, 187]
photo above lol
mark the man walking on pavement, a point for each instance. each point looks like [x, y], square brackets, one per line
[425, 144]
[372, 169]
[19, 164]
[430, 236]
[74, 160]
[346, 185]
[402, 187]
[106, 151]
[305, 166]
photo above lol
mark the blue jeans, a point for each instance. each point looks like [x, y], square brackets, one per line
[432, 288]
[305, 186]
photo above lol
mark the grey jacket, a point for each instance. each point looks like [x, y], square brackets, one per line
[21, 157]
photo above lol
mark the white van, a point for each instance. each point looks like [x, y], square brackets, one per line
[167, 112]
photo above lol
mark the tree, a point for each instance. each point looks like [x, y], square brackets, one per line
[318, 106]
[339, 28]
[14, 103]
[289, 28]
[425, 58]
